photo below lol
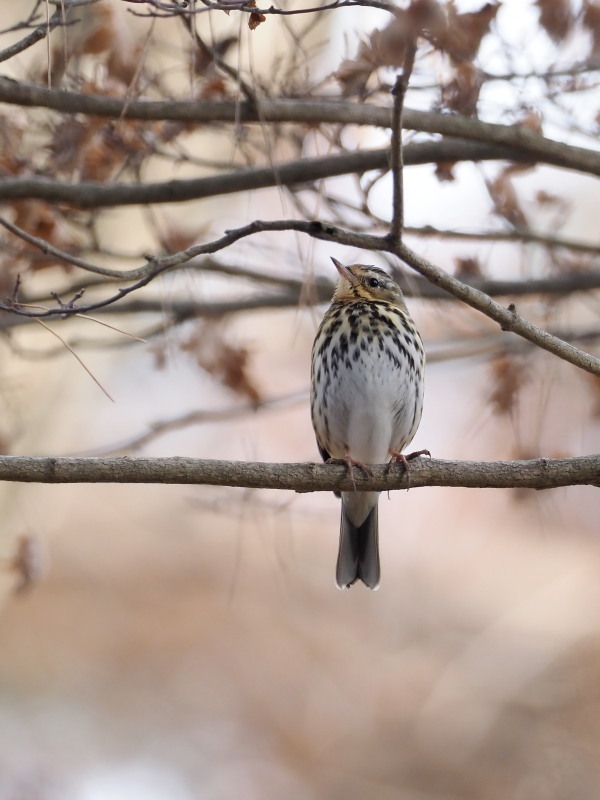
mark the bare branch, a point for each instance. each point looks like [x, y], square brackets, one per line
[523, 143]
[517, 236]
[541, 473]
[175, 9]
[397, 154]
[199, 417]
[35, 36]
[301, 171]
[507, 318]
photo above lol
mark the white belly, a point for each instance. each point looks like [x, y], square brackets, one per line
[371, 407]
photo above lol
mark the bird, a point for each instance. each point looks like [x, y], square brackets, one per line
[366, 399]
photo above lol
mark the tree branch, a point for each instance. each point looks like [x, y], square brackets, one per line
[541, 473]
[522, 141]
[507, 318]
[550, 242]
[35, 36]
[91, 194]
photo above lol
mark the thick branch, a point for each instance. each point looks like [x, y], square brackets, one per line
[304, 170]
[524, 143]
[541, 473]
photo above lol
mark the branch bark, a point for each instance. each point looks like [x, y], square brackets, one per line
[541, 473]
[91, 194]
[39, 33]
[508, 318]
[528, 144]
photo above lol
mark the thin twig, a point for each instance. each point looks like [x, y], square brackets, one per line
[245, 88]
[41, 32]
[73, 353]
[198, 417]
[397, 156]
[507, 318]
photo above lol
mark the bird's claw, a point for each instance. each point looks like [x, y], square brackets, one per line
[351, 463]
[400, 458]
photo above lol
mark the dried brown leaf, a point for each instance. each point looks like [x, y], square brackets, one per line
[532, 120]
[46, 222]
[444, 171]
[35, 217]
[464, 32]
[92, 32]
[29, 563]
[467, 267]
[70, 139]
[256, 18]
[544, 198]
[354, 73]
[173, 240]
[387, 47]
[505, 199]
[112, 146]
[591, 20]
[594, 392]
[227, 362]
[11, 166]
[212, 88]
[508, 376]
[203, 58]
[422, 18]
[462, 92]
[556, 18]
[122, 63]
[427, 18]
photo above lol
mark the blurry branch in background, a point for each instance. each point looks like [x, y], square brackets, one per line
[540, 473]
[507, 318]
[200, 417]
[90, 195]
[41, 31]
[397, 148]
[523, 142]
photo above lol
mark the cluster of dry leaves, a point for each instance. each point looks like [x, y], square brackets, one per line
[211, 347]
[560, 20]
[458, 36]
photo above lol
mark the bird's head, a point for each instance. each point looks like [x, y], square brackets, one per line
[362, 282]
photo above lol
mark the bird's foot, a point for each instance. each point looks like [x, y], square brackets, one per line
[400, 458]
[351, 463]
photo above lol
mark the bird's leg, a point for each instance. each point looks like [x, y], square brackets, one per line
[351, 463]
[400, 458]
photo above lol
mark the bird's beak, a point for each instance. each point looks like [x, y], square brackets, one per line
[344, 272]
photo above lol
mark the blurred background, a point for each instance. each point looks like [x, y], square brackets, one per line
[188, 642]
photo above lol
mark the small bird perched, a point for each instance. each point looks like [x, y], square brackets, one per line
[366, 399]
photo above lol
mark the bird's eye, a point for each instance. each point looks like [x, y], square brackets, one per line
[373, 283]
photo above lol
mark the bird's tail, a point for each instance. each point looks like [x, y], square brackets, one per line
[358, 556]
